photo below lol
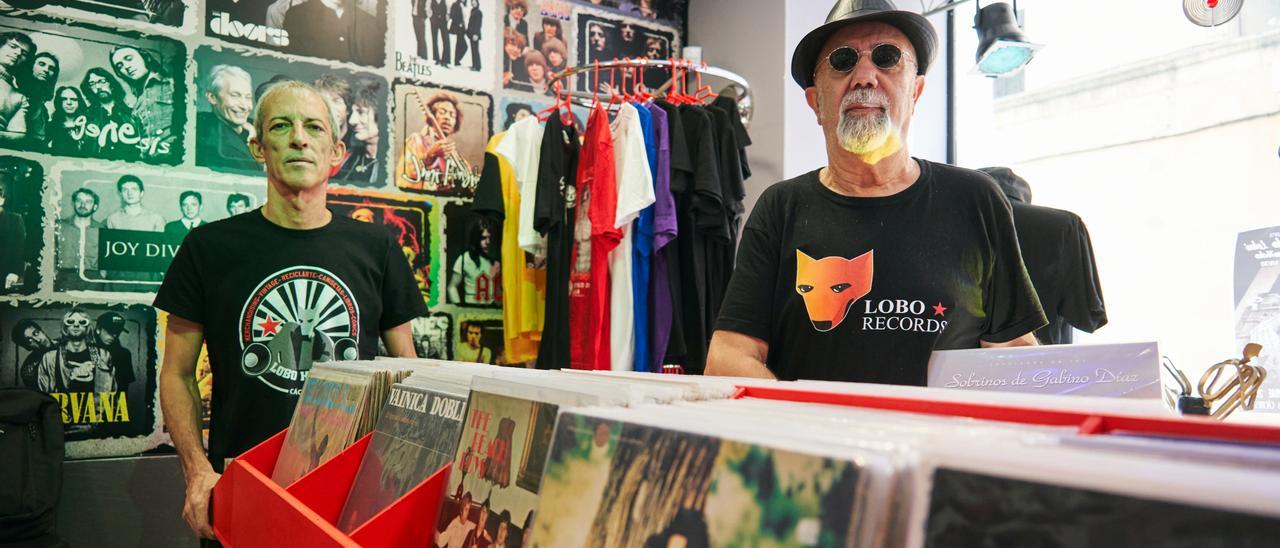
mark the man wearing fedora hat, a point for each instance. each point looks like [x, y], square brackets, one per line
[859, 270]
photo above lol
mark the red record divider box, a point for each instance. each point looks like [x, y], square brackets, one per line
[249, 509]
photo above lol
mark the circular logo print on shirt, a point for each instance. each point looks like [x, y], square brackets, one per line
[295, 318]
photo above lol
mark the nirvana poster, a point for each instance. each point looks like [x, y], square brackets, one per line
[97, 361]
[1257, 306]
[410, 219]
[76, 90]
[118, 230]
[21, 222]
[229, 83]
[351, 31]
[445, 132]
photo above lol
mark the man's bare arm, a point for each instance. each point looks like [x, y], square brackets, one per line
[399, 341]
[1026, 340]
[180, 402]
[734, 354]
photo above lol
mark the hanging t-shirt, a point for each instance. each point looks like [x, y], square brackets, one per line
[554, 216]
[595, 234]
[703, 226]
[634, 193]
[864, 289]
[664, 231]
[720, 253]
[523, 281]
[642, 252]
[522, 148]
[274, 301]
[681, 175]
[1059, 256]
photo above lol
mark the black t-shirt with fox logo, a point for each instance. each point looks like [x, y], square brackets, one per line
[273, 302]
[864, 289]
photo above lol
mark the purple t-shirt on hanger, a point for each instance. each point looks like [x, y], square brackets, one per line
[664, 232]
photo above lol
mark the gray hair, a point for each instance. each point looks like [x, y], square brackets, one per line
[292, 85]
[218, 77]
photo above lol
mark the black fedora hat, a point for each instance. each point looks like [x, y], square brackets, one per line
[918, 30]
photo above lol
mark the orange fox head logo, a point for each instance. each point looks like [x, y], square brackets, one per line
[831, 285]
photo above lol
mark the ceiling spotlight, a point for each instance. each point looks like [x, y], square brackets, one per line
[1002, 49]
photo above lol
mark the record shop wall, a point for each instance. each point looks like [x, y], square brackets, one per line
[125, 121]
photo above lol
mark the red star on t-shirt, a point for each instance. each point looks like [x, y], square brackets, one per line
[939, 310]
[270, 326]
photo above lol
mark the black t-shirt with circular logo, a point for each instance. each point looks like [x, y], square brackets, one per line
[273, 301]
[864, 289]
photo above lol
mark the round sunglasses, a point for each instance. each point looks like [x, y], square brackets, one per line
[883, 56]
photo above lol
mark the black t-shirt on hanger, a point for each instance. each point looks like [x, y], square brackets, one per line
[864, 289]
[488, 202]
[681, 175]
[553, 216]
[1059, 256]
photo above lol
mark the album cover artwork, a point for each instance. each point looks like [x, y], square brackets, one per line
[452, 41]
[444, 136]
[323, 424]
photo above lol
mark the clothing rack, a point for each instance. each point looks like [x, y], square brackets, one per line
[738, 85]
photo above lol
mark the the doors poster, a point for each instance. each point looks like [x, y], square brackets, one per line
[97, 361]
[229, 83]
[351, 31]
[76, 90]
[410, 220]
[444, 134]
[21, 222]
[117, 231]
[1257, 306]
[451, 41]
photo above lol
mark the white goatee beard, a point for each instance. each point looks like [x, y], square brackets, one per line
[864, 133]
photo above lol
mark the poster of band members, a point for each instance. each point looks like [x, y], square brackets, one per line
[351, 31]
[514, 109]
[663, 10]
[1257, 306]
[444, 134]
[74, 90]
[410, 220]
[228, 84]
[21, 219]
[535, 43]
[606, 38]
[479, 340]
[97, 361]
[446, 41]
[160, 12]
[433, 336]
[473, 245]
[117, 231]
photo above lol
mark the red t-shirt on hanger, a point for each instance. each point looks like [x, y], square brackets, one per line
[594, 236]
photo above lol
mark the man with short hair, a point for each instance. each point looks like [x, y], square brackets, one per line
[110, 115]
[472, 349]
[858, 271]
[261, 350]
[13, 240]
[455, 534]
[223, 133]
[132, 215]
[29, 336]
[74, 365]
[190, 203]
[79, 226]
[152, 90]
[237, 203]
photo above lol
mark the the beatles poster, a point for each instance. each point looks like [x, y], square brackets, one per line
[441, 135]
[410, 220]
[351, 31]
[450, 41]
[75, 90]
[229, 82]
[21, 222]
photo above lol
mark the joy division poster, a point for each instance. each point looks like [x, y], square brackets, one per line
[97, 361]
[606, 38]
[117, 231]
[536, 43]
[410, 220]
[433, 336]
[160, 12]
[450, 41]
[352, 31]
[76, 90]
[229, 82]
[445, 132]
[1257, 306]
[21, 222]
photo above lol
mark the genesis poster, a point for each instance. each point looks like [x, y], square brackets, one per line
[1257, 307]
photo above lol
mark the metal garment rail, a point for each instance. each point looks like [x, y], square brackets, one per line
[740, 86]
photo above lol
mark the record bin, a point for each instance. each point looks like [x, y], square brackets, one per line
[250, 509]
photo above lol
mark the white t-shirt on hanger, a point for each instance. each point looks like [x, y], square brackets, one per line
[522, 147]
[635, 192]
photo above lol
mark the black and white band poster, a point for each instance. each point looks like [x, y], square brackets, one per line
[536, 43]
[1257, 306]
[351, 31]
[229, 83]
[433, 336]
[663, 10]
[446, 41]
[97, 361]
[117, 231]
[74, 90]
[444, 135]
[604, 38]
[21, 222]
[410, 220]
[160, 12]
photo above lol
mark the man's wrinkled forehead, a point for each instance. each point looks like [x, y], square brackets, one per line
[296, 103]
[862, 36]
